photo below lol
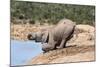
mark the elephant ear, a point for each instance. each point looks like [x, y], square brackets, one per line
[45, 36]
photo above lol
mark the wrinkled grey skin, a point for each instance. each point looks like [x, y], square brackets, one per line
[56, 37]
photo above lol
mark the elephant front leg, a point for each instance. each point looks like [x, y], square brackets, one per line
[51, 43]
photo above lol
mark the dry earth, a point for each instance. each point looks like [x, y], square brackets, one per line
[80, 48]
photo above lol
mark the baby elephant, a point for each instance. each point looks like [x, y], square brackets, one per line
[56, 37]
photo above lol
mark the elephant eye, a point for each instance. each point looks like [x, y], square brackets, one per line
[64, 22]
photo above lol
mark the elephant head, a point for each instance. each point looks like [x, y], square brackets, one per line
[39, 36]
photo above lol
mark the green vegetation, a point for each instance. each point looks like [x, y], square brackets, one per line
[51, 12]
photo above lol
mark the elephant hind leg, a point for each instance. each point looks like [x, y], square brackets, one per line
[64, 40]
[62, 45]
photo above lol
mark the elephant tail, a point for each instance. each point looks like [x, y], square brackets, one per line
[76, 31]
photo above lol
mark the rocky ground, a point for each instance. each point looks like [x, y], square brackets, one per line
[80, 48]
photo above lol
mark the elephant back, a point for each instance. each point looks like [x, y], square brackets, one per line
[63, 29]
[66, 21]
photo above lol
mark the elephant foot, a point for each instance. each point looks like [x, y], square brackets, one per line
[44, 52]
[47, 48]
[58, 47]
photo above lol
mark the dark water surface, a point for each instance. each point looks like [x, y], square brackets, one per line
[23, 51]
